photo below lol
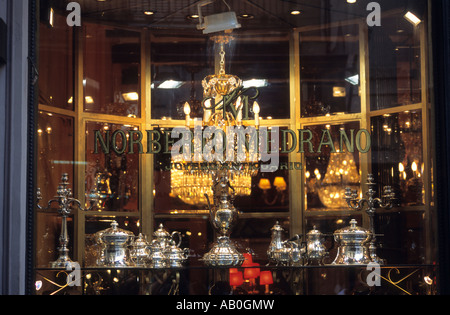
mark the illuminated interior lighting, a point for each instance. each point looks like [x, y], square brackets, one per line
[339, 91]
[51, 19]
[89, 100]
[149, 12]
[412, 18]
[170, 84]
[296, 12]
[255, 83]
[246, 16]
[129, 97]
[354, 80]
[351, 1]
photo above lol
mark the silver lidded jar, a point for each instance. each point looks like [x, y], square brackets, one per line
[353, 245]
[116, 243]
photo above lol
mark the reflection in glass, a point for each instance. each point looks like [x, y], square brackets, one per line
[55, 141]
[397, 155]
[395, 77]
[56, 64]
[178, 68]
[112, 176]
[111, 80]
[263, 62]
[328, 173]
[330, 69]
[177, 189]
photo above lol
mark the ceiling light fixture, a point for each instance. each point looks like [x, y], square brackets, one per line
[170, 84]
[255, 83]
[246, 16]
[351, 1]
[192, 17]
[412, 18]
[217, 22]
[149, 12]
[296, 12]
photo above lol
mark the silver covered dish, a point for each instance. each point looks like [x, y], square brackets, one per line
[353, 245]
[115, 242]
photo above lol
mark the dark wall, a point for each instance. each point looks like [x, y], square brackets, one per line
[441, 64]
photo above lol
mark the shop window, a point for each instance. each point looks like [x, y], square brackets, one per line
[330, 71]
[111, 79]
[56, 64]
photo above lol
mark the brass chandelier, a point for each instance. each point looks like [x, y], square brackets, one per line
[191, 185]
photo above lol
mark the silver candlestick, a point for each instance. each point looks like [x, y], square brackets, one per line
[65, 203]
[385, 202]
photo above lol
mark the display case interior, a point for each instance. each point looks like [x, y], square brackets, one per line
[341, 115]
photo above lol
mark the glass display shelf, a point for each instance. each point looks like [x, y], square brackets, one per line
[406, 279]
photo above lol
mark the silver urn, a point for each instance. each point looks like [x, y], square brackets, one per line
[115, 250]
[353, 244]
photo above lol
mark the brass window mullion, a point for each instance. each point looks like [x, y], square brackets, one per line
[79, 150]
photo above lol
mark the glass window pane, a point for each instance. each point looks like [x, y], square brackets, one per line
[111, 71]
[56, 64]
[263, 62]
[395, 70]
[328, 173]
[397, 155]
[112, 175]
[330, 70]
[178, 188]
[178, 69]
[55, 143]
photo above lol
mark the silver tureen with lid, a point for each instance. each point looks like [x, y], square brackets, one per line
[115, 242]
[353, 244]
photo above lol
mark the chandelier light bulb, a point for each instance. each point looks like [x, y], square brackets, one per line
[256, 110]
[187, 111]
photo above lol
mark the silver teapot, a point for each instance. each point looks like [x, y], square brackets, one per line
[284, 252]
[315, 249]
[115, 251]
[162, 240]
[140, 252]
[175, 256]
[353, 245]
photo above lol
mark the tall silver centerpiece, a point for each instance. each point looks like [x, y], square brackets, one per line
[65, 204]
[223, 217]
[385, 202]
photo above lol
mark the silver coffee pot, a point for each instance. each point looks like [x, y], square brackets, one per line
[116, 241]
[163, 244]
[140, 252]
[284, 252]
[353, 245]
[163, 239]
[315, 249]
